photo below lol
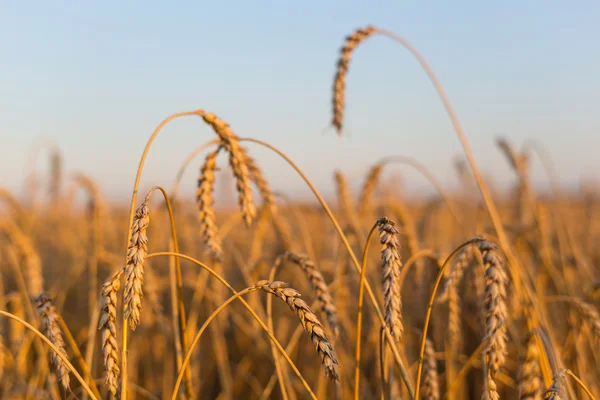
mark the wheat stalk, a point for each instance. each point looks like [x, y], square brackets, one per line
[339, 83]
[390, 254]
[3, 352]
[205, 202]
[320, 287]
[308, 320]
[134, 270]
[237, 161]
[108, 326]
[52, 331]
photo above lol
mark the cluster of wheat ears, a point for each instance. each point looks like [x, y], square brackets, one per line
[466, 298]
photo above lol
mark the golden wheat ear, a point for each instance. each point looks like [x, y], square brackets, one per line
[108, 326]
[52, 331]
[391, 264]
[238, 162]
[205, 202]
[309, 322]
[134, 270]
[339, 82]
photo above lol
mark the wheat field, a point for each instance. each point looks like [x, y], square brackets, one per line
[466, 295]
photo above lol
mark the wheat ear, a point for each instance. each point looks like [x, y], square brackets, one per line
[431, 385]
[346, 203]
[52, 331]
[368, 189]
[134, 270]
[496, 312]
[205, 202]
[589, 314]
[339, 83]
[32, 268]
[390, 254]
[529, 377]
[268, 197]
[308, 320]
[108, 326]
[237, 161]
[463, 260]
[320, 287]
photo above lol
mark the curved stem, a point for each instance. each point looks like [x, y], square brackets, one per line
[412, 260]
[344, 239]
[382, 361]
[136, 185]
[291, 345]
[430, 308]
[186, 162]
[62, 356]
[466, 368]
[514, 262]
[78, 356]
[246, 305]
[196, 339]
[548, 166]
[422, 169]
[177, 305]
[361, 295]
[580, 383]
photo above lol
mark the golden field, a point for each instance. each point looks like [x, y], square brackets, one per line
[466, 295]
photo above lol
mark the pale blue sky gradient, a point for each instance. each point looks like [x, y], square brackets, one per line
[98, 77]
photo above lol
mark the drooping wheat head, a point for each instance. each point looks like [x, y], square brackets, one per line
[308, 320]
[339, 83]
[237, 161]
[320, 287]
[51, 329]
[268, 197]
[205, 202]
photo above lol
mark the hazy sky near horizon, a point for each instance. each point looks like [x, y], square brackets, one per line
[98, 77]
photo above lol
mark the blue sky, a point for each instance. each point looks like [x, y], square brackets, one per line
[97, 78]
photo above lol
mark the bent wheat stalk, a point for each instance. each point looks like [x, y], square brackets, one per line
[430, 308]
[51, 327]
[344, 239]
[64, 359]
[307, 319]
